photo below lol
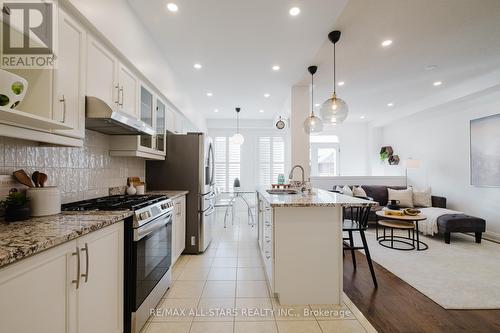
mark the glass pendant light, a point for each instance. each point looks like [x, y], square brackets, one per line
[312, 124]
[334, 110]
[237, 138]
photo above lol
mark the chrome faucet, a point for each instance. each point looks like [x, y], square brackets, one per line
[290, 176]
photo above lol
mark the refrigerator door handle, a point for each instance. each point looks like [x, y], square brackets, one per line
[210, 211]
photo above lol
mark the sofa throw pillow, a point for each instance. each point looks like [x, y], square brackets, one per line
[338, 189]
[346, 190]
[358, 191]
[405, 197]
[422, 198]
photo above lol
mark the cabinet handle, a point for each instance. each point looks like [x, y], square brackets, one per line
[268, 255]
[268, 224]
[77, 254]
[63, 101]
[86, 250]
[117, 87]
[120, 94]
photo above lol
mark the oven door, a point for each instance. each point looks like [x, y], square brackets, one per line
[152, 251]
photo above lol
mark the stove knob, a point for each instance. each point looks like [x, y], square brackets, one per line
[143, 215]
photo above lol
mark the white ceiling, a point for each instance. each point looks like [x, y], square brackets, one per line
[461, 37]
[237, 42]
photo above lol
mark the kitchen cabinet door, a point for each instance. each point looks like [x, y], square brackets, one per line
[161, 130]
[147, 114]
[178, 228]
[101, 73]
[100, 296]
[37, 294]
[128, 91]
[69, 91]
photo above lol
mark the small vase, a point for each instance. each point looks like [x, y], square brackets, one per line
[17, 213]
[131, 190]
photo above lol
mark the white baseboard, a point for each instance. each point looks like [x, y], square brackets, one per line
[492, 236]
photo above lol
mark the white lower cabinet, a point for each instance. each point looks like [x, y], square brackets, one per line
[40, 294]
[266, 239]
[178, 228]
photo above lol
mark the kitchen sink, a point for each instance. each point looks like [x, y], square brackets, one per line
[282, 191]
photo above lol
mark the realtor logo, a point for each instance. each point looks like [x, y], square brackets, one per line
[27, 34]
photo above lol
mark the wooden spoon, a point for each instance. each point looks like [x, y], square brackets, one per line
[42, 178]
[34, 177]
[23, 178]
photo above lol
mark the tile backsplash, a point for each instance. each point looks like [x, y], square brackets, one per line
[80, 173]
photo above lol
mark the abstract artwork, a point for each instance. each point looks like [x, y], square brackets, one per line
[485, 151]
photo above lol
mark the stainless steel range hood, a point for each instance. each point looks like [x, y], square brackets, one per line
[100, 117]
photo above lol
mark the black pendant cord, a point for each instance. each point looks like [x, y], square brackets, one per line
[312, 95]
[334, 72]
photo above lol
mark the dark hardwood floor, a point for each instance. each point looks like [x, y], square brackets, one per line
[397, 307]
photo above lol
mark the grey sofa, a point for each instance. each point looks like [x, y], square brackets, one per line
[380, 194]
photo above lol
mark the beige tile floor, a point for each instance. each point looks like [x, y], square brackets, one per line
[224, 290]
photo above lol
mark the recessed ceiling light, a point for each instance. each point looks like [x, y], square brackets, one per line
[209, 94]
[341, 83]
[437, 83]
[390, 104]
[261, 111]
[267, 95]
[197, 66]
[276, 68]
[317, 104]
[172, 7]
[216, 110]
[362, 117]
[294, 11]
[386, 42]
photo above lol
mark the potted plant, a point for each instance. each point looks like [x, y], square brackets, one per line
[16, 206]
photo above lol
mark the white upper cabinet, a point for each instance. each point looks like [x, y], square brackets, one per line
[160, 125]
[102, 73]
[128, 91]
[69, 85]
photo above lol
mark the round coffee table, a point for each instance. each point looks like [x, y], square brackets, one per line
[421, 246]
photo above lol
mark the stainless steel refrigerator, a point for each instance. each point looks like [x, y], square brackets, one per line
[189, 166]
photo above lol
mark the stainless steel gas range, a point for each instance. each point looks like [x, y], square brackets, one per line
[148, 251]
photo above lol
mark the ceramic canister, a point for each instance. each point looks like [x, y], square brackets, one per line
[44, 200]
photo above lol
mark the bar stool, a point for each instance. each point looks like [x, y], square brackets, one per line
[398, 225]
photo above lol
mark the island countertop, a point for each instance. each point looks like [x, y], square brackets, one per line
[25, 238]
[318, 198]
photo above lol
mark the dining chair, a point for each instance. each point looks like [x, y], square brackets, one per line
[355, 219]
[224, 202]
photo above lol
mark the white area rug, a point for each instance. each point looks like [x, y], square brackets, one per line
[460, 275]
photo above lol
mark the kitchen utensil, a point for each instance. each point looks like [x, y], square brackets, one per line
[133, 181]
[42, 179]
[23, 178]
[44, 201]
[34, 177]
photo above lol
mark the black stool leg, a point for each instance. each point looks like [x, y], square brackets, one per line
[478, 237]
[351, 244]
[368, 257]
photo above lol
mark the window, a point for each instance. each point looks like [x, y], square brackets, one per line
[324, 155]
[227, 162]
[271, 159]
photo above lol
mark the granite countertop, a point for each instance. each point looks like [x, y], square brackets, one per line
[318, 198]
[171, 194]
[25, 238]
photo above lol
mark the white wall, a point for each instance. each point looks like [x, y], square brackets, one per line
[354, 148]
[439, 138]
[116, 21]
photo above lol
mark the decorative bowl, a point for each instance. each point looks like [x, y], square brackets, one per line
[12, 89]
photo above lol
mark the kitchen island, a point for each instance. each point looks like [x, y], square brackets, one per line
[300, 238]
